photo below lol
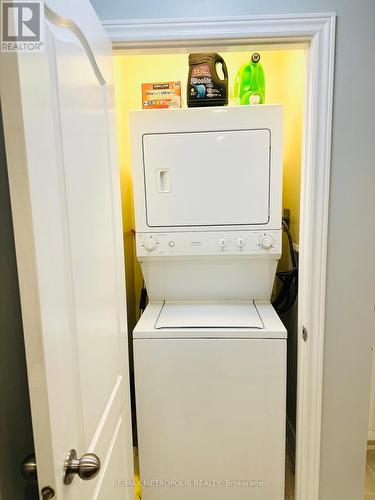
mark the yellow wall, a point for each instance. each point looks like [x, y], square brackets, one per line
[285, 84]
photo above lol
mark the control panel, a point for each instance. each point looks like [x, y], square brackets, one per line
[209, 243]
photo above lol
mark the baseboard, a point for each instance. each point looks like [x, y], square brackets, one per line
[291, 443]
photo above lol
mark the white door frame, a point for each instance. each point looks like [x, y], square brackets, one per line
[317, 32]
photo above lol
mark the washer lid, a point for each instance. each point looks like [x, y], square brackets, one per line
[209, 315]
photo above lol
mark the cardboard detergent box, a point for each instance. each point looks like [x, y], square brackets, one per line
[161, 95]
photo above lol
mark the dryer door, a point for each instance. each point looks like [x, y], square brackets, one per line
[207, 178]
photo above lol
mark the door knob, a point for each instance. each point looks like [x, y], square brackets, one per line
[86, 467]
[28, 468]
[48, 493]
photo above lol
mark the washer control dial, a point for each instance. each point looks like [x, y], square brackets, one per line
[266, 241]
[240, 243]
[222, 244]
[150, 243]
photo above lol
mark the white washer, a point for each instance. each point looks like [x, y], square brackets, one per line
[210, 394]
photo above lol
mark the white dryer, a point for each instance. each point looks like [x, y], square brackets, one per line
[209, 350]
[207, 195]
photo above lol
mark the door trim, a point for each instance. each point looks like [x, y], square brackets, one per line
[315, 32]
[64, 22]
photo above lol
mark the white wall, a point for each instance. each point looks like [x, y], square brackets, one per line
[351, 269]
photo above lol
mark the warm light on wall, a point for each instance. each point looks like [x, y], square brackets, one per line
[285, 84]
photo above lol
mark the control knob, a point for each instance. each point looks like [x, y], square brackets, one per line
[266, 242]
[150, 243]
[222, 244]
[240, 243]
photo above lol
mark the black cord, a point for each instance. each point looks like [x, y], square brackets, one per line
[143, 299]
[289, 279]
[291, 243]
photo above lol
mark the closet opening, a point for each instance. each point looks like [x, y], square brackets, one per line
[285, 69]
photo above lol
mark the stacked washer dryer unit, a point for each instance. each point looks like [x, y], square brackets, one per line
[209, 349]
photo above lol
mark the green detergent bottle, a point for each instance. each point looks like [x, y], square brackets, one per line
[249, 86]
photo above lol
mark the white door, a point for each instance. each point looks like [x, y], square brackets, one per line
[58, 109]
